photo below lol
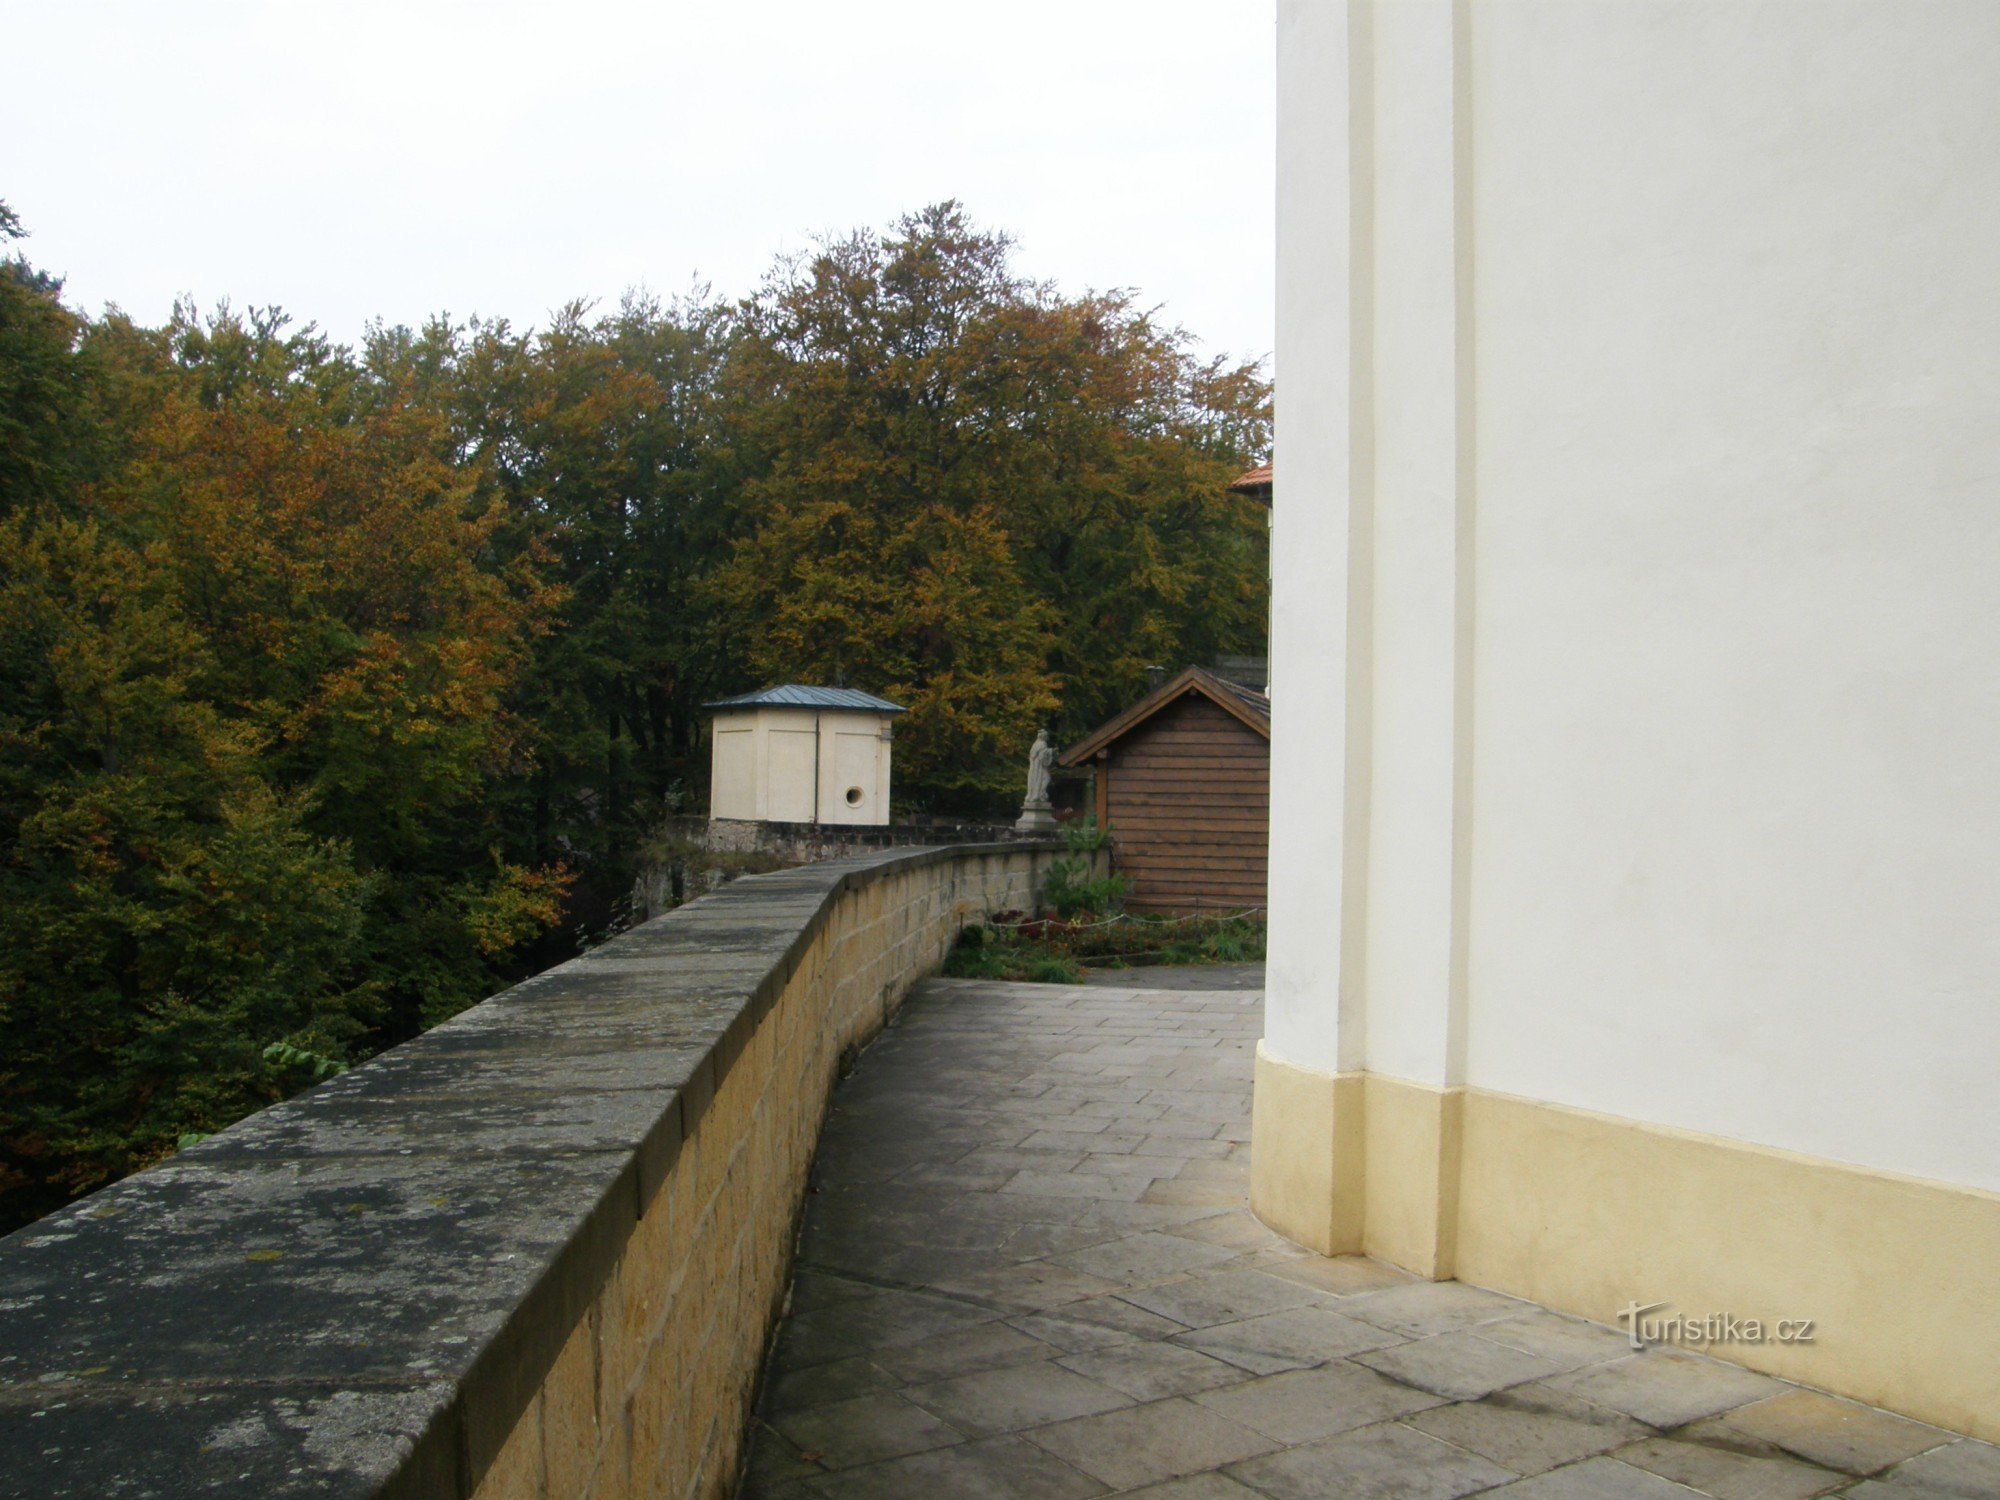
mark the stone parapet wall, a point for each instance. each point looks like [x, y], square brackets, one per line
[535, 1252]
[812, 841]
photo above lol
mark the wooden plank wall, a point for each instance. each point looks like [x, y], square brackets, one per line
[1188, 799]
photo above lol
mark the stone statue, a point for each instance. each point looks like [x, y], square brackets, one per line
[1036, 814]
[1041, 760]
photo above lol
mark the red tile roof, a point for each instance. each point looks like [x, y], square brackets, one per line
[1256, 483]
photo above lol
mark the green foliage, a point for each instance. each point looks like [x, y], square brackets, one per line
[597, 443]
[1071, 890]
[1083, 836]
[1053, 968]
[339, 570]
[163, 905]
[49, 441]
[1019, 963]
[1165, 940]
[258, 658]
[978, 961]
[981, 499]
[1058, 954]
[1231, 948]
[338, 689]
[319, 1066]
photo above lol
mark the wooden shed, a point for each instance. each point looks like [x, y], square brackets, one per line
[1184, 785]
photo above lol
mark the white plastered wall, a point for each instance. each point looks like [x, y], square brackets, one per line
[1317, 753]
[854, 768]
[1635, 604]
[801, 766]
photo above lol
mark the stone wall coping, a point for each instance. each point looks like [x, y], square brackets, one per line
[359, 1290]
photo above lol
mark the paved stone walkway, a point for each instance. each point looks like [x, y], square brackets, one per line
[1028, 1273]
[1180, 977]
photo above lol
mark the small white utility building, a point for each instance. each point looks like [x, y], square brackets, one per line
[797, 754]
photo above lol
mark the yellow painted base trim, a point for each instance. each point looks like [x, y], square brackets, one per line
[1589, 1213]
[1414, 1136]
[1310, 1191]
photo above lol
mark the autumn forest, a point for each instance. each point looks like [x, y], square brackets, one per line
[341, 686]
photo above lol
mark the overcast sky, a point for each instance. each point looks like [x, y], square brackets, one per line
[349, 159]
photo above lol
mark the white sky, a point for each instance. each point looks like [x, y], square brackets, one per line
[351, 159]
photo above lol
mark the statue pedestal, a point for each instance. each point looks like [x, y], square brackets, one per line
[1036, 817]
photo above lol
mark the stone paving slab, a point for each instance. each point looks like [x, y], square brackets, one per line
[1180, 977]
[1533, 1432]
[1029, 1270]
[1725, 1472]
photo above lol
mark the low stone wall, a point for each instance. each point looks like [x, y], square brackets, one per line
[810, 841]
[535, 1252]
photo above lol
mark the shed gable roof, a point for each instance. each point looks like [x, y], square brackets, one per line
[1251, 709]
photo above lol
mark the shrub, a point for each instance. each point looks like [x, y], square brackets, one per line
[998, 953]
[1053, 968]
[1071, 890]
[1228, 948]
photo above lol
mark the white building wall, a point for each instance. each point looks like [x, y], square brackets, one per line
[1418, 495]
[1313, 759]
[1635, 596]
[792, 765]
[1737, 709]
[734, 777]
[854, 759]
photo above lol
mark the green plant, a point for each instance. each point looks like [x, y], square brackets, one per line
[285, 1055]
[1158, 940]
[1053, 968]
[1001, 953]
[1227, 948]
[1071, 889]
[1085, 837]
[979, 963]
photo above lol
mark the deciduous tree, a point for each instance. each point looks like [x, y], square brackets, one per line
[1041, 479]
[166, 912]
[337, 563]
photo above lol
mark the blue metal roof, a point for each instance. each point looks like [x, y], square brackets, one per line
[793, 695]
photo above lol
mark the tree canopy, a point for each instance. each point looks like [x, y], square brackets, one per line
[339, 687]
[973, 495]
